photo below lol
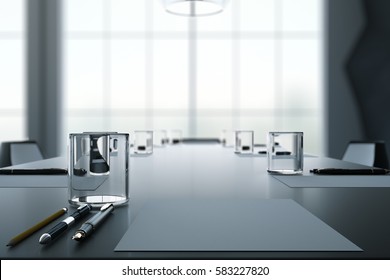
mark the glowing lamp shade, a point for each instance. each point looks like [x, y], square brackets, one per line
[194, 8]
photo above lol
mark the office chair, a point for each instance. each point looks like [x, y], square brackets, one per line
[367, 153]
[19, 152]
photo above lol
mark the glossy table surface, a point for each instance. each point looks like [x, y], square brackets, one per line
[192, 171]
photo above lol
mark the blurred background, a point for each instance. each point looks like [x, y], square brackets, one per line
[122, 65]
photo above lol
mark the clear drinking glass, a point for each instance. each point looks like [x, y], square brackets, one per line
[227, 138]
[160, 138]
[244, 142]
[285, 152]
[143, 142]
[176, 136]
[98, 168]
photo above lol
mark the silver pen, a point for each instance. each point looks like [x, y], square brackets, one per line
[89, 226]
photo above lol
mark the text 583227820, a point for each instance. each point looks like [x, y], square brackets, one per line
[248, 270]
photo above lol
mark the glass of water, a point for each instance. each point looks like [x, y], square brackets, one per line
[285, 152]
[143, 142]
[244, 142]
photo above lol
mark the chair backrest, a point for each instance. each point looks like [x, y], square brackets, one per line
[367, 153]
[19, 152]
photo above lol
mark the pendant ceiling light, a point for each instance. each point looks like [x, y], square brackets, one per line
[194, 8]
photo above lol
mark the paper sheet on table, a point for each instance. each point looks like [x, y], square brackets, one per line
[216, 225]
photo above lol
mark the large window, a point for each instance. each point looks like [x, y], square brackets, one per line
[130, 65]
[12, 70]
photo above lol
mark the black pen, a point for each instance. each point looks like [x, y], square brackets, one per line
[63, 226]
[341, 171]
[38, 171]
[89, 226]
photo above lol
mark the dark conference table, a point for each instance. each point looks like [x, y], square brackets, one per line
[194, 171]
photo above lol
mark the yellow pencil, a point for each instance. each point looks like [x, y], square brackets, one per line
[38, 226]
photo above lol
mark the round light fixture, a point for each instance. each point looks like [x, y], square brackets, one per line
[194, 8]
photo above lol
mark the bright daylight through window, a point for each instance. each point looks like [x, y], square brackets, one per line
[128, 64]
[12, 69]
